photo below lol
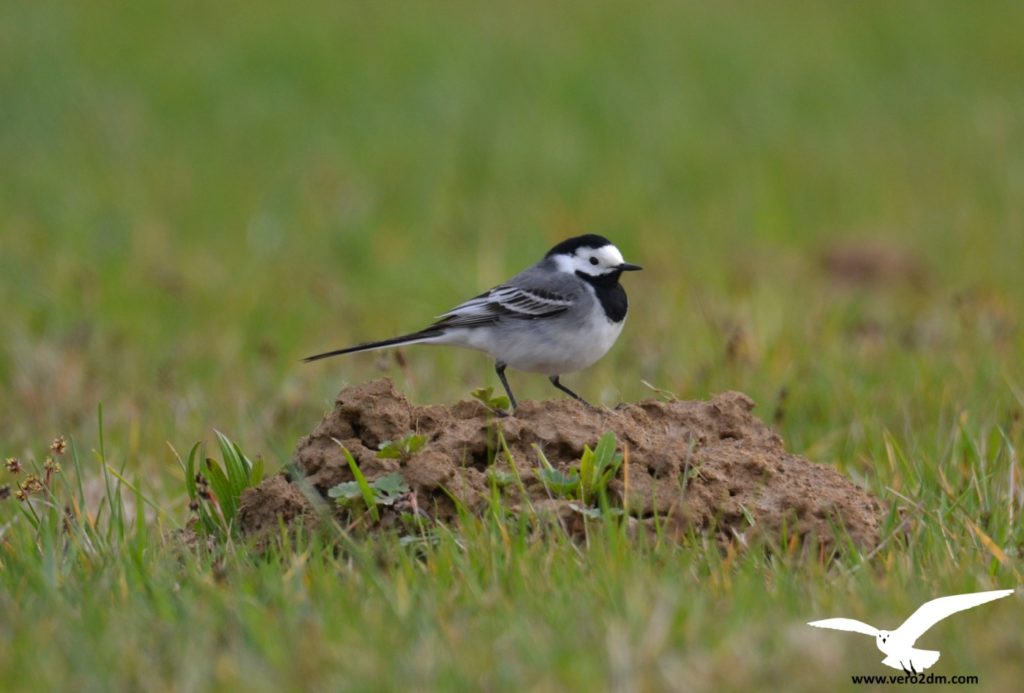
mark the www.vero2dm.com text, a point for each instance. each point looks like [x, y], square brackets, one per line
[923, 679]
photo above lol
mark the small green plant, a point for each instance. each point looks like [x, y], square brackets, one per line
[599, 466]
[215, 488]
[486, 396]
[500, 478]
[383, 491]
[559, 483]
[592, 513]
[588, 480]
[401, 449]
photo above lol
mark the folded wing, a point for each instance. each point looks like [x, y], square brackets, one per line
[504, 302]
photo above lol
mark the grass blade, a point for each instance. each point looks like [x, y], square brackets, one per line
[369, 496]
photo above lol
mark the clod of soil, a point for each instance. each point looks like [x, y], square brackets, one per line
[705, 466]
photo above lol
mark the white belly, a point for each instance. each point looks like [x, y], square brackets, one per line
[551, 347]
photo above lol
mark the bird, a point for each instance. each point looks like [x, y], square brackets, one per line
[898, 644]
[559, 316]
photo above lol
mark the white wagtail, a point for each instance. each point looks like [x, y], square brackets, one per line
[557, 317]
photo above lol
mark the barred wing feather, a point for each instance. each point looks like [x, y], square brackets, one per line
[506, 302]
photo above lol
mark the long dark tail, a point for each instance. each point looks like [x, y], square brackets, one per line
[412, 338]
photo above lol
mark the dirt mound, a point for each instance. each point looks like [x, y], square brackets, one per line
[871, 262]
[706, 466]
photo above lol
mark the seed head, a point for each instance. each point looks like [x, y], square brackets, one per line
[5, 492]
[59, 445]
[13, 465]
[32, 485]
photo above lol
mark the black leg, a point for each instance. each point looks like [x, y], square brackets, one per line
[563, 388]
[499, 367]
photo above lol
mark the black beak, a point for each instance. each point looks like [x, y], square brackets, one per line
[628, 267]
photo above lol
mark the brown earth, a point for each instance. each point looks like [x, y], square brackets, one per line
[871, 262]
[704, 466]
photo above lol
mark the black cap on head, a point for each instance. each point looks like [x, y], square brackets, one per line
[571, 245]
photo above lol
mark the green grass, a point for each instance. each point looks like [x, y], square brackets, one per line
[194, 197]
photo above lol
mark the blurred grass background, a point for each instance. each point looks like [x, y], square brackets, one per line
[194, 196]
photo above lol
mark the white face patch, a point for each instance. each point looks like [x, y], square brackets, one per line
[595, 261]
[565, 263]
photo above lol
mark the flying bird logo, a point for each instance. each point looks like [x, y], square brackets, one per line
[898, 644]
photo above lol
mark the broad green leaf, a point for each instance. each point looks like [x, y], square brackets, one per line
[389, 450]
[604, 453]
[234, 471]
[483, 394]
[345, 493]
[390, 486]
[414, 443]
[221, 488]
[587, 464]
[399, 449]
[346, 489]
[486, 396]
[256, 474]
[246, 463]
[559, 483]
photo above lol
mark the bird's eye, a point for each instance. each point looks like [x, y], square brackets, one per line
[593, 260]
